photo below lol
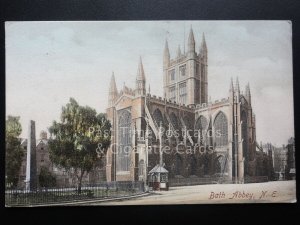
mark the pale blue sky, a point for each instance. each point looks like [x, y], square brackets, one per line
[49, 62]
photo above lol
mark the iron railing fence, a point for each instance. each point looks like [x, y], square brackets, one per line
[256, 179]
[174, 182]
[45, 196]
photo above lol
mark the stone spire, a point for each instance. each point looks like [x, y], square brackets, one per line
[140, 72]
[231, 89]
[248, 94]
[237, 88]
[203, 47]
[191, 42]
[178, 51]
[237, 85]
[113, 92]
[140, 88]
[166, 55]
[203, 43]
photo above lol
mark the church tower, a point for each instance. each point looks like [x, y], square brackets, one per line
[113, 92]
[140, 82]
[203, 60]
[185, 76]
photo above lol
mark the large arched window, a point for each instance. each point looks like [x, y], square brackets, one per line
[174, 121]
[245, 137]
[201, 129]
[221, 129]
[158, 117]
[176, 124]
[124, 141]
[141, 167]
[188, 122]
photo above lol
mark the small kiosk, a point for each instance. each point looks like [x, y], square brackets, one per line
[158, 178]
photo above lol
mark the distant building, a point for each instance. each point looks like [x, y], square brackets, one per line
[283, 159]
[280, 159]
[290, 167]
[63, 178]
[268, 155]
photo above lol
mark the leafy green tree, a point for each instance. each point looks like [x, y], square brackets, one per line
[46, 179]
[14, 152]
[75, 141]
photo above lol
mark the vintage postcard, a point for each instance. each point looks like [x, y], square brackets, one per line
[149, 113]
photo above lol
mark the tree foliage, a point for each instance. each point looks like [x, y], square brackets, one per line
[14, 152]
[46, 179]
[75, 139]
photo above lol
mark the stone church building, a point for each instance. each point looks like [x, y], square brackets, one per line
[182, 130]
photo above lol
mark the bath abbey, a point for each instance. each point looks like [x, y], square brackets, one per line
[182, 132]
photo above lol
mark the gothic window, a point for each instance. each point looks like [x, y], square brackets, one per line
[172, 93]
[201, 123]
[124, 139]
[141, 167]
[182, 93]
[244, 134]
[187, 122]
[243, 100]
[221, 129]
[201, 128]
[158, 118]
[182, 70]
[172, 74]
[174, 121]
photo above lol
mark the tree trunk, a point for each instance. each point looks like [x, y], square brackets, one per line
[80, 182]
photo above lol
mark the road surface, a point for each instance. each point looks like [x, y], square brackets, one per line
[277, 191]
